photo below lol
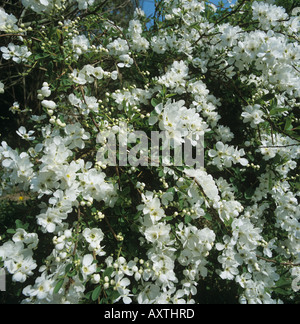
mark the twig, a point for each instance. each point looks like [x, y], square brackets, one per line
[279, 263]
[111, 229]
[231, 13]
[7, 35]
[279, 146]
[95, 10]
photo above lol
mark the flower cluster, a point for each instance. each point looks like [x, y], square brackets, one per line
[7, 21]
[46, 6]
[179, 122]
[95, 233]
[18, 255]
[226, 155]
[16, 53]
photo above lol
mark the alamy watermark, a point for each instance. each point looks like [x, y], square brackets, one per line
[2, 280]
[121, 146]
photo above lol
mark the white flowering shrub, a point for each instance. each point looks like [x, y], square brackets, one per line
[83, 231]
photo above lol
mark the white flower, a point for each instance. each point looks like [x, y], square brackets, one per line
[127, 61]
[76, 136]
[268, 15]
[49, 104]
[175, 77]
[253, 115]
[98, 73]
[114, 75]
[7, 21]
[26, 136]
[226, 155]
[20, 268]
[18, 261]
[121, 285]
[42, 288]
[40, 6]
[17, 53]
[44, 92]
[31, 239]
[180, 123]
[80, 45]
[78, 77]
[92, 104]
[88, 267]
[140, 44]
[153, 208]
[135, 27]
[159, 44]
[118, 47]
[206, 182]
[296, 279]
[84, 4]
[158, 233]
[51, 219]
[93, 236]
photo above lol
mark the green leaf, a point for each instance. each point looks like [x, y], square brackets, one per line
[96, 293]
[170, 95]
[19, 224]
[208, 217]
[283, 292]
[72, 274]
[249, 193]
[58, 286]
[155, 102]
[275, 111]
[288, 124]
[187, 219]
[68, 268]
[270, 183]
[41, 56]
[283, 282]
[108, 272]
[11, 231]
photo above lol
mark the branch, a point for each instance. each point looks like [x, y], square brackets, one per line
[280, 130]
[95, 10]
[279, 263]
[231, 13]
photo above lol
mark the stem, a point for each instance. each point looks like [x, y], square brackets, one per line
[77, 230]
